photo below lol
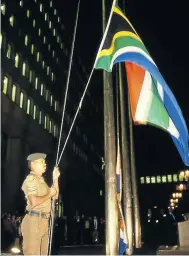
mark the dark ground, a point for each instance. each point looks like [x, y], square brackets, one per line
[98, 250]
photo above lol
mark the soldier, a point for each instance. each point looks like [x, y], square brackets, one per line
[35, 224]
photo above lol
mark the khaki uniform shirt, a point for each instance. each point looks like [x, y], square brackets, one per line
[36, 185]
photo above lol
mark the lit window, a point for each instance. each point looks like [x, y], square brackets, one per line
[142, 180]
[11, 21]
[34, 23]
[38, 55]
[52, 76]
[57, 60]
[41, 89]
[34, 112]
[28, 13]
[164, 179]
[21, 99]
[61, 45]
[50, 3]
[54, 11]
[40, 117]
[55, 105]
[41, 7]
[55, 131]
[51, 100]
[44, 39]
[9, 50]
[3, 9]
[43, 64]
[13, 92]
[153, 180]
[147, 179]
[1, 38]
[39, 32]
[53, 53]
[28, 106]
[36, 82]
[24, 69]
[181, 176]
[45, 124]
[5, 84]
[158, 179]
[26, 40]
[50, 24]
[49, 47]
[54, 32]
[46, 16]
[47, 95]
[169, 178]
[16, 60]
[58, 39]
[47, 70]
[48, 122]
[50, 126]
[175, 177]
[32, 49]
[21, 3]
[58, 19]
[30, 76]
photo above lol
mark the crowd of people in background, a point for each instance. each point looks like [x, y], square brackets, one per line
[159, 228]
[77, 230]
[10, 229]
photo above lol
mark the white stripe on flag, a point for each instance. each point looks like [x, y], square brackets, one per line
[128, 49]
[145, 99]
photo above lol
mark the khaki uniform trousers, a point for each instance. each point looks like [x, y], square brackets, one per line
[35, 235]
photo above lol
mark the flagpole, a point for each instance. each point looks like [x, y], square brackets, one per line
[111, 208]
[127, 191]
[136, 210]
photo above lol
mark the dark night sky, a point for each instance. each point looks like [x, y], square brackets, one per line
[163, 29]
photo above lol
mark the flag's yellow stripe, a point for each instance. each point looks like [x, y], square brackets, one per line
[109, 51]
[116, 10]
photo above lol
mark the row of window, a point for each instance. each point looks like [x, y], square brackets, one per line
[51, 27]
[21, 98]
[30, 75]
[160, 179]
[44, 40]
[41, 8]
[38, 56]
[42, 88]
[25, 67]
[33, 49]
[50, 24]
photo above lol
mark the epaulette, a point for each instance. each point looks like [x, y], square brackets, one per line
[30, 178]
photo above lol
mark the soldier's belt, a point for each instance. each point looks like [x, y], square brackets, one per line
[44, 215]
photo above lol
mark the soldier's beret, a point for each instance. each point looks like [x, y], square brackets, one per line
[36, 156]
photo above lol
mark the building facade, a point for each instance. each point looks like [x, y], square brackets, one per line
[33, 77]
[158, 192]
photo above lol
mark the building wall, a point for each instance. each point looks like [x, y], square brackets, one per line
[33, 78]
